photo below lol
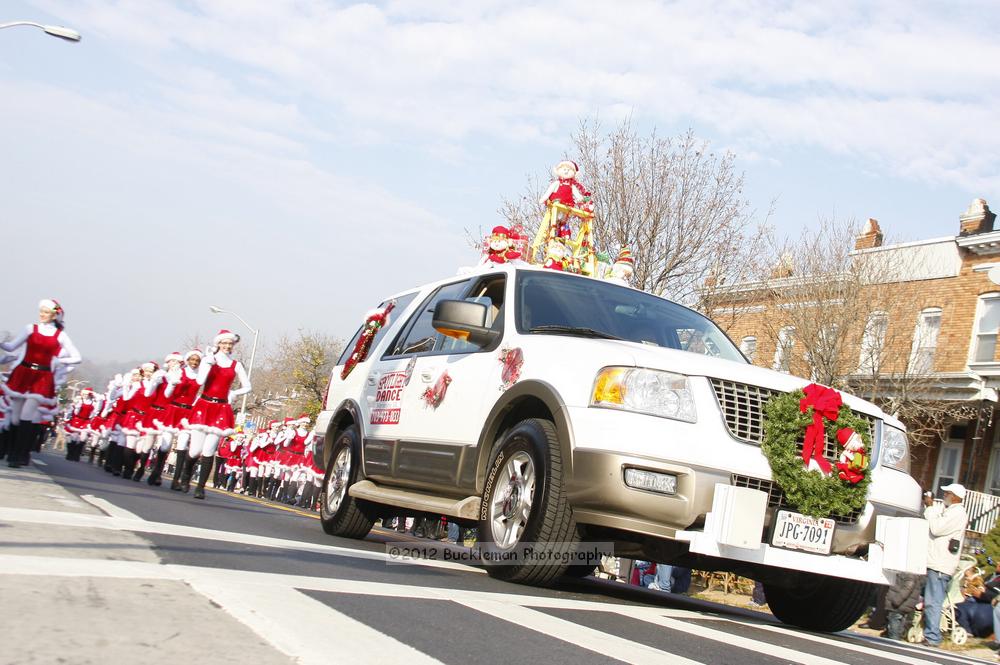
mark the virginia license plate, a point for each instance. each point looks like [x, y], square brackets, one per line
[801, 532]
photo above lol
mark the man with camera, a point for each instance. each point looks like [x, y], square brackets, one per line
[946, 523]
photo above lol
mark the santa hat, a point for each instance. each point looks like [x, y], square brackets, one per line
[625, 256]
[501, 231]
[273, 423]
[192, 352]
[844, 435]
[304, 418]
[576, 169]
[224, 335]
[53, 304]
[87, 391]
[176, 355]
[150, 365]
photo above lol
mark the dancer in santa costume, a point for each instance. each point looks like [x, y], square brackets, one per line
[31, 385]
[183, 385]
[213, 416]
[133, 409]
[109, 424]
[302, 438]
[157, 438]
[266, 456]
[78, 426]
[286, 462]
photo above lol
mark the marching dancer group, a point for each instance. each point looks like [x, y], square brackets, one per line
[185, 404]
[182, 407]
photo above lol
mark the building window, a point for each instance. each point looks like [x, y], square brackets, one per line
[925, 341]
[873, 342]
[949, 464]
[748, 345]
[783, 352]
[984, 343]
[993, 478]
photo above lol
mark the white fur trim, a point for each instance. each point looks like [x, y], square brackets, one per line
[225, 335]
[42, 401]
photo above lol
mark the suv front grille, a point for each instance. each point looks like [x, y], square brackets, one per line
[776, 498]
[743, 410]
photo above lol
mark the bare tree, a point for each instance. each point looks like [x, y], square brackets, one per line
[676, 204]
[844, 318]
[297, 372]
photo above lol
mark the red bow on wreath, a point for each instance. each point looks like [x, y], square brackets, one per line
[825, 403]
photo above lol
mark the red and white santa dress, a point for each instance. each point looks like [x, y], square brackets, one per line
[266, 456]
[158, 433]
[183, 385]
[134, 408]
[213, 416]
[77, 427]
[301, 440]
[46, 346]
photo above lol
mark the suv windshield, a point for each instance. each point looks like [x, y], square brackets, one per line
[555, 304]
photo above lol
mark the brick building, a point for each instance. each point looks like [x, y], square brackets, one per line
[919, 318]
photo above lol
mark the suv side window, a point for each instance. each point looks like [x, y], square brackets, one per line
[420, 336]
[490, 292]
[402, 302]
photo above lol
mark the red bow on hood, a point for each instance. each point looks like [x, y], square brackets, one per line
[825, 403]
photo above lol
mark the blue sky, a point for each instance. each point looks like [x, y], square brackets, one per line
[297, 160]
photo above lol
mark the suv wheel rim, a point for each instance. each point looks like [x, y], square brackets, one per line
[510, 505]
[336, 486]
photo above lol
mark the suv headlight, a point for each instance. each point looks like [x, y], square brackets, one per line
[895, 449]
[648, 391]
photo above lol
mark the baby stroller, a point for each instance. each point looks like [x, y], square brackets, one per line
[949, 623]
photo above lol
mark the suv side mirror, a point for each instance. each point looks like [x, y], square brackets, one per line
[463, 320]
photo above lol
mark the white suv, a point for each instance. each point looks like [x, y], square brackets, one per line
[495, 398]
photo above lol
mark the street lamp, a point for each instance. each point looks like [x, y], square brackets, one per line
[67, 34]
[253, 353]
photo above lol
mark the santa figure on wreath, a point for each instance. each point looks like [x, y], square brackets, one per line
[853, 461]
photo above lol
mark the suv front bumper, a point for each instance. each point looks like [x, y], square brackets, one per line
[700, 456]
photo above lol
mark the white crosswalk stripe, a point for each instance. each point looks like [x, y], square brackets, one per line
[275, 607]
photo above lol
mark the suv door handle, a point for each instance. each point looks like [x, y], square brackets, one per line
[372, 377]
[426, 376]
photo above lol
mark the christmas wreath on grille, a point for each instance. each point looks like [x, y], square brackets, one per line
[811, 484]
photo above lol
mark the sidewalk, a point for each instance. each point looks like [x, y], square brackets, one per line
[82, 620]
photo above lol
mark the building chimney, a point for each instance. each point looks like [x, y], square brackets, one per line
[871, 235]
[977, 219]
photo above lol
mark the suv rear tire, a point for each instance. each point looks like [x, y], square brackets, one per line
[524, 502]
[824, 604]
[340, 513]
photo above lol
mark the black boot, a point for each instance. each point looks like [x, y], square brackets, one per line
[141, 470]
[41, 433]
[91, 454]
[179, 465]
[109, 457]
[6, 440]
[204, 473]
[187, 473]
[128, 463]
[23, 435]
[154, 476]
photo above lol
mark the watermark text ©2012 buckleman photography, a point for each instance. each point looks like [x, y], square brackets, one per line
[541, 554]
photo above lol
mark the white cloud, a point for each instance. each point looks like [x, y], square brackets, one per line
[897, 83]
[252, 112]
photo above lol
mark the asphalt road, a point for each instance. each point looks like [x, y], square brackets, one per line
[276, 571]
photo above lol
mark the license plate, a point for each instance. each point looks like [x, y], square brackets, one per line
[801, 532]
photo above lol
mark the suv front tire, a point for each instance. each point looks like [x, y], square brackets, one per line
[340, 513]
[524, 502]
